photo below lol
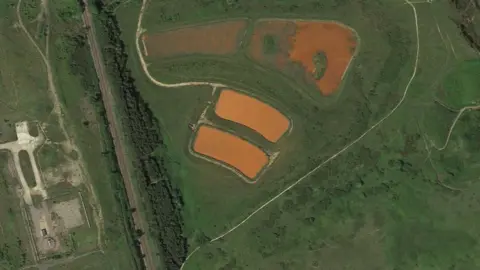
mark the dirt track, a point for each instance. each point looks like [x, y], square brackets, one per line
[108, 102]
[59, 111]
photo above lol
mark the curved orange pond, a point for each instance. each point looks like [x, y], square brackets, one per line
[335, 40]
[251, 112]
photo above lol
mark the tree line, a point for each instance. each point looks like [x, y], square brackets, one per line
[72, 47]
[163, 202]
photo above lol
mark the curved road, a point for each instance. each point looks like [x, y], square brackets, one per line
[464, 109]
[138, 34]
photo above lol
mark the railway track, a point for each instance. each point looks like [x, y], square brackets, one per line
[108, 101]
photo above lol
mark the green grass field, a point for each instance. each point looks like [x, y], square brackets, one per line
[392, 201]
[462, 84]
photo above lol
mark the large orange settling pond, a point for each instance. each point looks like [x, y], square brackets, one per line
[230, 149]
[252, 113]
[335, 40]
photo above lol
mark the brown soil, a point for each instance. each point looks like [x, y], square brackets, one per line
[230, 149]
[252, 113]
[215, 38]
[335, 40]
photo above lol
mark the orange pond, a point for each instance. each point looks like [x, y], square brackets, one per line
[230, 149]
[252, 113]
[335, 40]
[215, 38]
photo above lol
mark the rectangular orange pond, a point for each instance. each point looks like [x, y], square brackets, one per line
[231, 150]
[251, 112]
[217, 38]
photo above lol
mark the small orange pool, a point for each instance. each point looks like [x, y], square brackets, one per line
[230, 149]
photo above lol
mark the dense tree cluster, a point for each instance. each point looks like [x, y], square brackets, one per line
[163, 202]
[466, 21]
